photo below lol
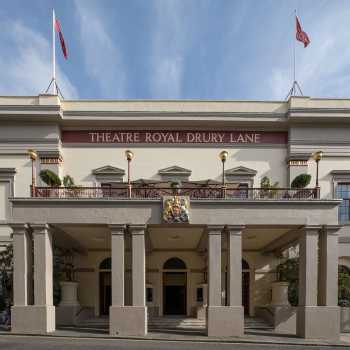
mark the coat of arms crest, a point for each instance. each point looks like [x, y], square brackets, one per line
[176, 209]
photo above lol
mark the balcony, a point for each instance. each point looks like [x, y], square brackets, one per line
[196, 191]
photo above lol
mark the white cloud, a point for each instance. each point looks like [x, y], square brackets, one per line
[103, 59]
[169, 43]
[323, 67]
[25, 62]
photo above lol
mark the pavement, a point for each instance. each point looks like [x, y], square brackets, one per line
[76, 338]
[15, 342]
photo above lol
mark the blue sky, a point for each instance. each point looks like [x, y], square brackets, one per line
[176, 49]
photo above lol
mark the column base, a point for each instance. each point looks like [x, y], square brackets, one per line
[128, 320]
[225, 321]
[33, 319]
[318, 322]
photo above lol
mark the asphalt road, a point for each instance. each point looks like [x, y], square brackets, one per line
[51, 343]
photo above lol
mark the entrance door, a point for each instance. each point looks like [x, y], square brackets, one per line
[245, 291]
[105, 292]
[245, 286]
[174, 293]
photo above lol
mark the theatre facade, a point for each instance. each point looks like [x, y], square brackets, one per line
[175, 208]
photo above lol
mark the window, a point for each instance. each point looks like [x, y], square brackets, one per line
[243, 190]
[200, 294]
[149, 294]
[343, 191]
[174, 264]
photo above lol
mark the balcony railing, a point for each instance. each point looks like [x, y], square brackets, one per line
[226, 192]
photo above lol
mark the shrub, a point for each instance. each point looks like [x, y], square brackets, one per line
[50, 178]
[289, 272]
[301, 181]
[68, 181]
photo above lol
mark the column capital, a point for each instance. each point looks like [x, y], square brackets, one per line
[214, 229]
[137, 229]
[311, 229]
[40, 228]
[117, 229]
[19, 228]
[235, 229]
[332, 230]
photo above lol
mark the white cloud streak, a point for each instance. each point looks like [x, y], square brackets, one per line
[25, 62]
[103, 59]
[169, 43]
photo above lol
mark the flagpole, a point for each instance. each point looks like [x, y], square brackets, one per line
[295, 16]
[53, 54]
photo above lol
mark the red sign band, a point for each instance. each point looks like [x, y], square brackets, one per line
[173, 137]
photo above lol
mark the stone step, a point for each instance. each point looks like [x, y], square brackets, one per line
[185, 323]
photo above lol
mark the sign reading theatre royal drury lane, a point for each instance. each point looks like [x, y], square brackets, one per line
[173, 137]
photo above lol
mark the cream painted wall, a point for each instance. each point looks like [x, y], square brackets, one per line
[262, 273]
[23, 176]
[204, 162]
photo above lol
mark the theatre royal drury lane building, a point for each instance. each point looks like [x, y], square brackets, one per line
[158, 230]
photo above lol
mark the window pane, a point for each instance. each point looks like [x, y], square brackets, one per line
[343, 191]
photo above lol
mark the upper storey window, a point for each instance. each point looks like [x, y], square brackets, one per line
[343, 191]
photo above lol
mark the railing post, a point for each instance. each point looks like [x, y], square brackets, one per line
[224, 191]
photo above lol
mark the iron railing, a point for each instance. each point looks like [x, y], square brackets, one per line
[208, 192]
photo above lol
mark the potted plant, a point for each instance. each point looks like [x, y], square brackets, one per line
[344, 297]
[51, 179]
[268, 190]
[299, 183]
[287, 283]
[69, 286]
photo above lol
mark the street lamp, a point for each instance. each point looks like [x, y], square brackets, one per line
[33, 156]
[129, 156]
[223, 156]
[317, 156]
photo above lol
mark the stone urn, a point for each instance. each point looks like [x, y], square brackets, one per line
[280, 294]
[69, 293]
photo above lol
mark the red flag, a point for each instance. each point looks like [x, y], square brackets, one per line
[60, 34]
[300, 34]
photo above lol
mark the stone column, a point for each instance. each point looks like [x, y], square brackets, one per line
[328, 279]
[234, 270]
[129, 320]
[40, 317]
[218, 318]
[116, 310]
[22, 265]
[22, 275]
[313, 321]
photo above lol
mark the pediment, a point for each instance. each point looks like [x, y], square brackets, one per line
[175, 170]
[240, 171]
[108, 170]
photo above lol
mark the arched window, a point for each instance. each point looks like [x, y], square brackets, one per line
[245, 265]
[174, 264]
[106, 264]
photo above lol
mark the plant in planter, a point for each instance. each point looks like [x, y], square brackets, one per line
[269, 190]
[301, 181]
[343, 286]
[6, 280]
[69, 286]
[50, 178]
[68, 181]
[175, 186]
[288, 271]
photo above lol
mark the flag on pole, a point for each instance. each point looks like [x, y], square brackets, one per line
[58, 30]
[300, 34]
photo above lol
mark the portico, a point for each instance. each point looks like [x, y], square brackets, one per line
[220, 234]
